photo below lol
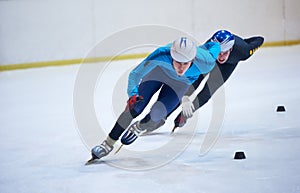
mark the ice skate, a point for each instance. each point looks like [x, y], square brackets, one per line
[179, 121]
[154, 127]
[132, 133]
[100, 151]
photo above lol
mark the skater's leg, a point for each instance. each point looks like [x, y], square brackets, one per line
[167, 101]
[146, 89]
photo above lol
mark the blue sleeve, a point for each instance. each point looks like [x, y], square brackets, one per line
[206, 56]
[146, 66]
[214, 48]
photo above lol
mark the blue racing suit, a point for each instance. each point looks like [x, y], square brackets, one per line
[157, 72]
[161, 58]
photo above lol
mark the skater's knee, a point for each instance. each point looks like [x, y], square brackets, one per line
[158, 111]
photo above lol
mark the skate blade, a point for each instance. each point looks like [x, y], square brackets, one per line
[119, 149]
[91, 161]
[173, 129]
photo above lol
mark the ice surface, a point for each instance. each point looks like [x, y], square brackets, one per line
[42, 151]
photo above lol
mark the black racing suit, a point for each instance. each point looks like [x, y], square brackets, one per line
[242, 50]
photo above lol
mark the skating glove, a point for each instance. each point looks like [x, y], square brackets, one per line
[187, 107]
[132, 101]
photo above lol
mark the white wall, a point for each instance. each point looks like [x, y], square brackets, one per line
[36, 30]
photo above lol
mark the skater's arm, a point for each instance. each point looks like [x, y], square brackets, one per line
[146, 66]
[206, 56]
[213, 83]
[195, 85]
[246, 47]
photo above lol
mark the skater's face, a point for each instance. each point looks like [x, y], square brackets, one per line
[181, 67]
[223, 56]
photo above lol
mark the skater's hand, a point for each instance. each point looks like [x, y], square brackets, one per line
[133, 100]
[187, 107]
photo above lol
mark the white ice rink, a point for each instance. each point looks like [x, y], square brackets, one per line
[41, 150]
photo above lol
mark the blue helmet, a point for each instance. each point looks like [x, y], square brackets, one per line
[225, 38]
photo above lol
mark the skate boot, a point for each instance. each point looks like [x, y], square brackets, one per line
[139, 128]
[132, 133]
[179, 121]
[155, 127]
[102, 150]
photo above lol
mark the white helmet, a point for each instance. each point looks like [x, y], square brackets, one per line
[183, 50]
